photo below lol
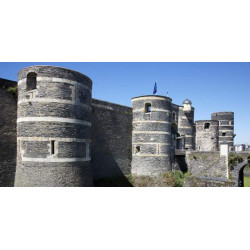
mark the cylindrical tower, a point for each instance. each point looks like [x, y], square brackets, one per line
[186, 123]
[226, 128]
[151, 136]
[53, 127]
[207, 135]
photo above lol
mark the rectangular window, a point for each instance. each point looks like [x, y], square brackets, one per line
[174, 116]
[147, 107]
[223, 134]
[137, 149]
[31, 81]
[207, 125]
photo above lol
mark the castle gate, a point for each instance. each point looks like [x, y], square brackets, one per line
[238, 173]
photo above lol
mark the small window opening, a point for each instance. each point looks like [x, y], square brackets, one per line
[31, 81]
[174, 116]
[52, 147]
[207, 125]
[231, 123]
[212, 138]
[148, 107]
[223, 134]
[137, 149]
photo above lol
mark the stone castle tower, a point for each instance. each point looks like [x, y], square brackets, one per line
[53, 127]
[159, 129]
[226, 128]
[207, 135]
[186, 124]
[56, 139]
[151, 136]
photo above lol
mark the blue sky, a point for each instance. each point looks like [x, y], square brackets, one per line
[212, 87]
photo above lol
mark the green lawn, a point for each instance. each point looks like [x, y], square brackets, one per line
[246, 181]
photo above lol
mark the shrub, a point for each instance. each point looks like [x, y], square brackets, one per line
[233, 160]
[13, 91]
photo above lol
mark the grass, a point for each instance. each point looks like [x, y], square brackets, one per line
[168, 179]
[246, 181]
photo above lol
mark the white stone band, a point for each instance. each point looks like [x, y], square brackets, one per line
[53, 119]
[49, 100]
[151, 132]
[151, 143]
[151, 155]
[152, 110]
[151, 97]
[52, 138]
[139, 121]
[25, 159]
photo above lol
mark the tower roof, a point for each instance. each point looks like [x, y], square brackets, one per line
[187, 101]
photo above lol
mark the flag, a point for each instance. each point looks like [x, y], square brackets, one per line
[155, 88]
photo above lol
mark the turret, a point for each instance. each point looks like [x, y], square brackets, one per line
[53, 127]
[151, 136]
[226, 128]
[186, 124]
[207, 135]
[187, 106]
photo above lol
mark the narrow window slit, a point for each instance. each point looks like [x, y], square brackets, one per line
[174, 116]
[52, 147]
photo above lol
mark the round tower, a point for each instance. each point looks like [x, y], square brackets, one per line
[226, 128]
[186, 124]
[151, 135]
[207, 135]
[53, 127]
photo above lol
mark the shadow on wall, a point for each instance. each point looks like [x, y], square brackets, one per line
[106, 170]
[180, 163]
[8, 115]
[111, 144]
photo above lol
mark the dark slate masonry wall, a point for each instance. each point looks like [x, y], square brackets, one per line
[207, 164]
[8, 114]
[56, 112]
[151, 136]
[111, 139]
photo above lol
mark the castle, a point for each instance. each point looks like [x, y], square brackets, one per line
[67, 138]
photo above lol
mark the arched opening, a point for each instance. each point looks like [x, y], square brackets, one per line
[31, 81]
[244, 176]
